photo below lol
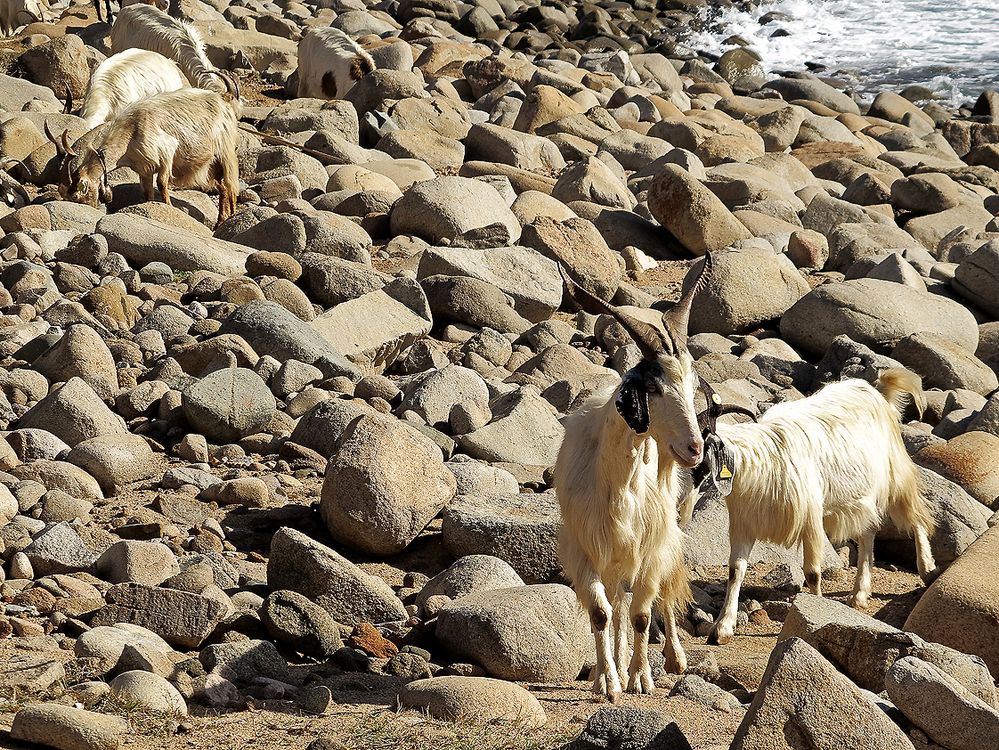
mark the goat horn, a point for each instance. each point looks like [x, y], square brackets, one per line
[69, 101]
[647, 337]
[10, 160]
[677, 318]
[48, 134]
[708, 418]
[65, 143]
[231, 86]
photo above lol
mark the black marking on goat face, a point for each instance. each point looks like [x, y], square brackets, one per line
[633, 397]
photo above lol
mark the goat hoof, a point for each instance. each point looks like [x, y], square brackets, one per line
[859, 601]
[930, 576]
[641, 683]
[719, 637]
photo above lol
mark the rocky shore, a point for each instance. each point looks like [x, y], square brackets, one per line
[287, 483]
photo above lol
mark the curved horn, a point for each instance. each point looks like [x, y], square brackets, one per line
[647, 337]
[69, 101]
[677, 318]
[736, 409]
[65, 143]
[48, 134]
[230, 83]
[8, 161]
[708, 418]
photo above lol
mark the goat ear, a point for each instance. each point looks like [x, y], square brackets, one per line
[719, 465]
[633, 402]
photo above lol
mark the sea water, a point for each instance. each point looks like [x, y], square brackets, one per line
[948, 46]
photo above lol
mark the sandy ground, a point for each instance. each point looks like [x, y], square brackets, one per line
[365, 717]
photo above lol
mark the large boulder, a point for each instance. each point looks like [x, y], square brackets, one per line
[692, 213]
[180, 618]
[524, 430]
[803, 703]
[68, 728]
[943, 708]
[530, 633]
[968, 460]
[383, 485]
[945, 364]
[977, 278]
[73, 413]
[958, 518]
[435, 395]
[876, 313]
[273, 330]
[455, 208]
[577, 245]
[748, 288]
[374, 329]
[488, 700]
[228, 404]
[467, 575]
[961, 608]
[81, 353]
[531, 280]
[346, 592]
[865, 648]
[812, 89]
[142, 240]
[521, 530]
[116, 461]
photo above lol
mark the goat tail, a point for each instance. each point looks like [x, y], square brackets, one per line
[895, 382]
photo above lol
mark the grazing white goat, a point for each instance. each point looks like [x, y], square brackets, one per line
[147, 27]
[330, 63]
[618, 481]
[163, 5]
[831, 464]
[187, 138]
[126, 78]
[17, 13]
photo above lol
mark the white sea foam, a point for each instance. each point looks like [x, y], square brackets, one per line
[949, 46]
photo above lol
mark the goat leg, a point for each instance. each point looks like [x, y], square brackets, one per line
[621, 627]
[865, 561]
[163, 180]
[639, 671]
[738, 561]
[675, 658]
[813, 543]
[606, 681]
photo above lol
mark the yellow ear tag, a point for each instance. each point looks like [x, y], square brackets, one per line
[724, 473]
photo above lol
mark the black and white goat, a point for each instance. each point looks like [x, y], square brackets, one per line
[330, 63]
[618, 482]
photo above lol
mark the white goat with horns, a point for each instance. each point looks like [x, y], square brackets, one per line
[831, 464]
[147, 27]
[125, 78]
[617, 479]
[187, 138]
